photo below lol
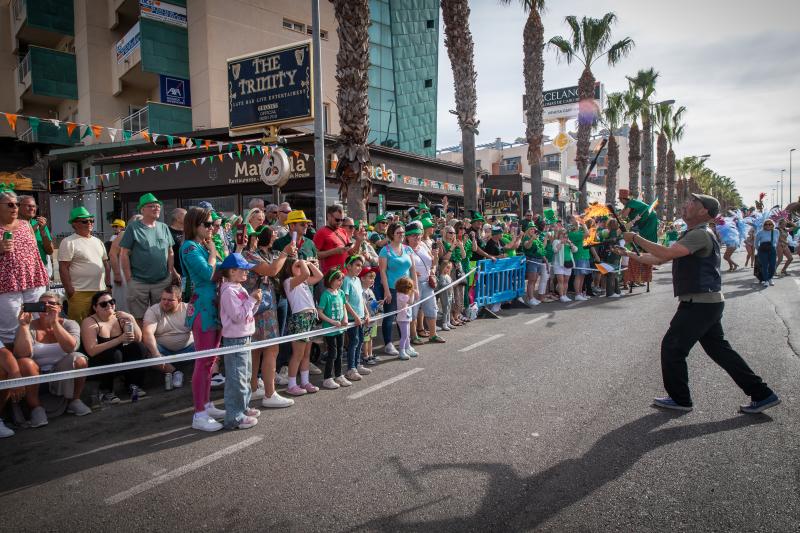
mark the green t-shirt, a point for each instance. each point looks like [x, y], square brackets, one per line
[548, 248]
[332, 306]
[39, 244]
[149, 248]
[648, 224]
[567, 251]
[532, 247]
[305, 249]
[672, 235]
[506, 239]
[577, 237]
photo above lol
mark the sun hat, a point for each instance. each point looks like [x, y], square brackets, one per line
[148, 198]
[79, 212]
[414, 228]
[235, 260]
[297, 216]
[118, 223]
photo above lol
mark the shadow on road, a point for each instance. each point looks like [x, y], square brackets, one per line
[514, 502]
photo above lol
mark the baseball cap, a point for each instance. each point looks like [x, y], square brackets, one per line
[709, 202]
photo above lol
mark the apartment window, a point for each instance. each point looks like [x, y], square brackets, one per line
[427, 143]
[430, 24]
[294, 26]
[323, 34]
[428, 84]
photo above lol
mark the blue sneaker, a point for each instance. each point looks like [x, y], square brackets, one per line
[668, 403]
[757, 407]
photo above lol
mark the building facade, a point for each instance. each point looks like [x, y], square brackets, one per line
[139, 65]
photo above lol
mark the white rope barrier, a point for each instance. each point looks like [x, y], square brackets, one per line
[153, 361]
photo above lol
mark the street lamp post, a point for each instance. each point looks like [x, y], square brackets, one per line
[781, 195]
[790, 174]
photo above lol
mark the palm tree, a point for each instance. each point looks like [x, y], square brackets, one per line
[663, 118]
[633, 108]
[352, 64]
[613, 116]
[590, 40]
[645, 82]
[533, 70]
[674, 135]
[460, 50]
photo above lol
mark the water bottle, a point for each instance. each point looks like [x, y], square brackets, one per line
[168, 381]
[134, 394]
[127, 329]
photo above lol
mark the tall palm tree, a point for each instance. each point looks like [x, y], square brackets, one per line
[460, 50]
[633, 108]
[645, 83]
[590, 41]
[352, 65]
[674, 135]
[533, 70]
[663, 118]
[613, 116]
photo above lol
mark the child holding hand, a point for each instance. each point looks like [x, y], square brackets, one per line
[405, 298]
[331, 312]
[373, 307]
[236, 310]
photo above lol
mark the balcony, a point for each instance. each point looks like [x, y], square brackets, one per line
[158, 118]
[510, 168]
[41, 22]
[45, 76]
[48, 133]
[148, 49]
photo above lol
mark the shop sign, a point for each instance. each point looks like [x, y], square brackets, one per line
[496, 202]
[129, 43]
[381, 173]
[175, 91]
[548, 191]
[163, 12]
[249, 169]
[431, 184]
[270, 87]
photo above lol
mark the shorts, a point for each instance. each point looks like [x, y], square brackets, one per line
[370, 331]
[266, 326]
[534, 266]
[302, 323]
[582, 267]
[142, 295]
[428, 307]
[64, 387]
[561, 271]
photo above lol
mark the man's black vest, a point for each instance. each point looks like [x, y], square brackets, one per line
[692, 274]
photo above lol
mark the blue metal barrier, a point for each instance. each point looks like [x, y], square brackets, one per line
[499, 281]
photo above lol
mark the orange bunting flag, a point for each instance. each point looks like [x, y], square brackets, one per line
[296, 153]
[146, 135]
[221, 156]
[96, 130]
[183, 141]
[12, 120]
[239, 146]
[207, 144]
[70, 128]
[194, 162]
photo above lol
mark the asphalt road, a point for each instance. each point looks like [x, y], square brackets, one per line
[545, 426]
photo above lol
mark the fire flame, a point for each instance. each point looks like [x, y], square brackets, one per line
[591, 239]
[596, 210]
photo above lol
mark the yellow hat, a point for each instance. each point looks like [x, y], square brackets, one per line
[296, 216]
[118, 222]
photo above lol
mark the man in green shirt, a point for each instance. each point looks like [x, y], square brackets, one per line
[297, 224]
[577, 233]
[646, 221]
[44, 242]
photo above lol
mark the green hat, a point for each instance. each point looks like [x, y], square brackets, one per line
[148, 198]
[215, 216]
[550, 216]
[255, 231]
[380, 218]
[79, 212]
[477, 217]
[422, 206]
[414, 228]
[426, 222]
[497, 230]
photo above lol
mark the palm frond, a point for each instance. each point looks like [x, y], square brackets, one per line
[567, 52]
[575, 26]
[620, 50]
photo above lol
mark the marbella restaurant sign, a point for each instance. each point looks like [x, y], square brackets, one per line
[270, 87]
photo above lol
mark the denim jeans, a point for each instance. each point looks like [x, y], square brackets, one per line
[238, 368]
[166, 351]
[355, 338]
[388, 322]
[767, 260]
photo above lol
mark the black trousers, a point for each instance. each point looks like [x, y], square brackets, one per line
[333, 361]
[695, 322]
[133, 351]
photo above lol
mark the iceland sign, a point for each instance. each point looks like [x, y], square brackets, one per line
[270, 87]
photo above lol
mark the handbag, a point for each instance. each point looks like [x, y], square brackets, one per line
[568, 264]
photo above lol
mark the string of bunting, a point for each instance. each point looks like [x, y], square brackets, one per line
[508, 192]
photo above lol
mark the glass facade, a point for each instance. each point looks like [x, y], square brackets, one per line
[403, 39]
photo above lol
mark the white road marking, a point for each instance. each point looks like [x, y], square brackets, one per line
[123, 443]
[535, 320]
[573, 304]
[481, 343]
[178, 412]
[798, 282]
[384, 383]
[178, 472]
[173, 439]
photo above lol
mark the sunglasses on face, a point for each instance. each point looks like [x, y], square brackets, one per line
[349, 226]
[13, 205]
[338, 220]
[207, 225]
[106, 303]
[85, 221]
[284, 212]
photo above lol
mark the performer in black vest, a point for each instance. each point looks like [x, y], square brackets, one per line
[697, 284]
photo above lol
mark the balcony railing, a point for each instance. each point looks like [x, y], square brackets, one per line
[509, 168]
[136, 122]
[554, 166]
[19, 9]
[24, 68]
[27, 136]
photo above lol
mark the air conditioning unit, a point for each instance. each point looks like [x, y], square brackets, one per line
[70, 170]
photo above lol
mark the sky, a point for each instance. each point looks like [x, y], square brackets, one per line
[734, 64]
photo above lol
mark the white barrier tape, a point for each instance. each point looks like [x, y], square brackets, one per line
[579, 268]
[154, 361]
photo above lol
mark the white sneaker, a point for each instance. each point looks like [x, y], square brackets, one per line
[403, 356]
[412, 351]
[38, 417]
[446, 328]
[764, 284]
[496, 308]
[389, 349]
[364, 371]
[78, 408]
[260, 384]
[217, 381]
[276, 401]
[565, 299]
[353, 375]
[342, 381]
[771, 283]
[533, 302]
[330, 384]
[616, 295]
[314, 369]
[177, 379]
[257, 394]
[213, 412]
[282, 377]
[580, 298]
[203, 422]
[5, 431]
